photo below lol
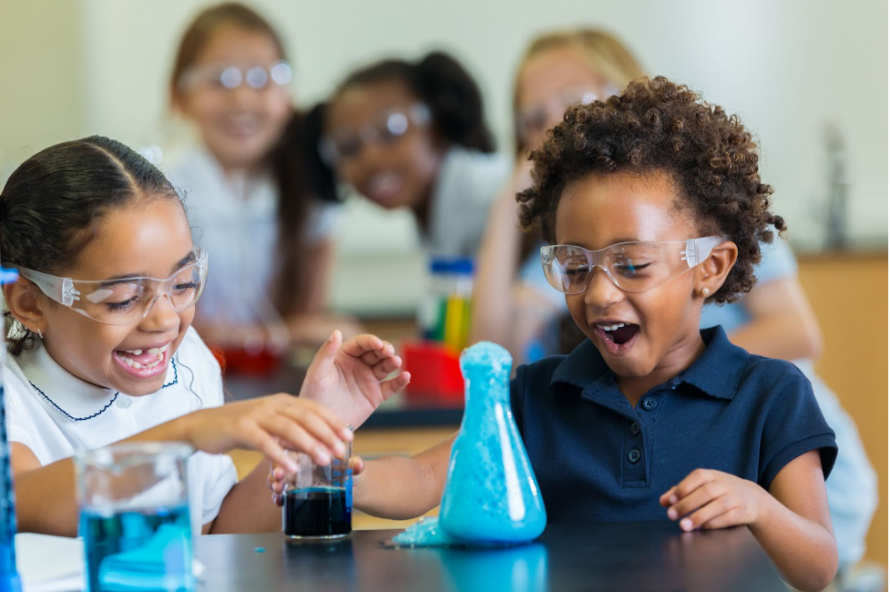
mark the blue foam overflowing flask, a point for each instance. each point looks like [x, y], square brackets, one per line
[491, 494]
[9, 577]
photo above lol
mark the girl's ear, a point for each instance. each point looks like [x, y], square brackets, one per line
[712, 273]
[22, 301]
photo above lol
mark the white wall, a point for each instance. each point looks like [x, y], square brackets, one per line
[788, 67]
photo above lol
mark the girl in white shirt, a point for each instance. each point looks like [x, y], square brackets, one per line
[103, 350]
[412, 135]
[270, 237]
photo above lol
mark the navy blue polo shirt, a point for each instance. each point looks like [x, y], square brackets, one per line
[597, 458]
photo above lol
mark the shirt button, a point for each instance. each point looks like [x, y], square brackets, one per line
[649, 403]
[633, 456]
[634, 428]
[124, 402]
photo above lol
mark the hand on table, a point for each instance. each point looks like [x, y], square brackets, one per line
[711, 499]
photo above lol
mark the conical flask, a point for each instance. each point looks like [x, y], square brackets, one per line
[491, 494]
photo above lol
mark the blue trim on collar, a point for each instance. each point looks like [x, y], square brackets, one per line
[717, 372]
[68, 415]
[175, 374]
[104, 409]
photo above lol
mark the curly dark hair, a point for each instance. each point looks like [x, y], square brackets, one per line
[659, 126]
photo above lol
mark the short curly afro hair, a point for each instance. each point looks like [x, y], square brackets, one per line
[659, 126]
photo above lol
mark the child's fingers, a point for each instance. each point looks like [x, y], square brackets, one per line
[319, 429]
[326, 413]
[386, 351]
[391, 387]
[693, 481]
[387, 367]
[695, 500]
[326, 354]
[716, 511]
[297, 438]
[260, 440]
[363, 344]
[669, 497]
[357, 464]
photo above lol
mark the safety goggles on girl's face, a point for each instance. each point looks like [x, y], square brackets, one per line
[126, 300]
[345, 143]
[229, 76]
[631, 266]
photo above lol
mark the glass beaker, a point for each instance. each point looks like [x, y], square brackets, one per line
[318, 499]
[491, 494]
[134, 517]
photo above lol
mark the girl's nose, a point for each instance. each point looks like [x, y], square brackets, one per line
[602, 291]
[160, 315]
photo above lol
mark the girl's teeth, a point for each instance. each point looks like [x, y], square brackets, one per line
[613, 327]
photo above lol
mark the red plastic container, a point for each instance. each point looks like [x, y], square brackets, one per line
[435, 371]
[239, 360]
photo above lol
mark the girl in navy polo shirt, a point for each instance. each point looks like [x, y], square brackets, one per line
[652, 205]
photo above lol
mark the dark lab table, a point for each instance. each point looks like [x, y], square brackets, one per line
[399, 411]
[604, 557]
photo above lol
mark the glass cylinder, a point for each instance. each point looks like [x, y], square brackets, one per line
[318, 499]
[134, 517]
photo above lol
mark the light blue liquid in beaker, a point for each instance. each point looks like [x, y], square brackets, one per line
[491, 494]
[138, 550]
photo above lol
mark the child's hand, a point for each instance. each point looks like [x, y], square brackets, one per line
[349, 379]
[278, 477]
[269, 425]
[713, 499]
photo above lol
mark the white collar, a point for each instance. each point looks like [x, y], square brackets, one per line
[70, 396]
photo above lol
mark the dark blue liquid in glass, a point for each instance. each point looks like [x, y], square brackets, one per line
[317, 512]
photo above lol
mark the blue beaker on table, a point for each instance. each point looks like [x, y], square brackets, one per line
[134, 517]
[491, 494]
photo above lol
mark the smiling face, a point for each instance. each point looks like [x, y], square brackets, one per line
[396, 173]
[239, 126]
[660, 336]
[149, 237]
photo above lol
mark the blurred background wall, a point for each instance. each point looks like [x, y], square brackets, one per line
[788, 68]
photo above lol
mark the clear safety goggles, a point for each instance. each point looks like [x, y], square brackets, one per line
[229, 77]
[631, 266]
[345, 143]
[128, 300]
[536, 118]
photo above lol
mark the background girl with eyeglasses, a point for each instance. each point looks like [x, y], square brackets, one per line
[271, 238]
[412, 135]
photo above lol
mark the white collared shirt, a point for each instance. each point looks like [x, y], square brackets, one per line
[55, 415]
[235, 219]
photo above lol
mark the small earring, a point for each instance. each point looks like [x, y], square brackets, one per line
[705, 292]
[40, 333]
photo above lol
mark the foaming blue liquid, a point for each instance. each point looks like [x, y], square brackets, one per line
[491, 494]
[138, 550]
